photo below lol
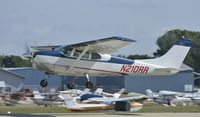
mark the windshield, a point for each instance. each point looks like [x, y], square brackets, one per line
[71, 52]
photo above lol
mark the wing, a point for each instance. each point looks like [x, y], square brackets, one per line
[115, 99]
[106, 45]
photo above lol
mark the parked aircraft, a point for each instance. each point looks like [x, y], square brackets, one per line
[169, 99]
[55, 99]
[98, 103]
[195, 96]
[49, 100]
[92, 58]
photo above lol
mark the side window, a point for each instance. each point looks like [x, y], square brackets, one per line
[86, 56]
[95, 56]
[76, 54]
[66, 51]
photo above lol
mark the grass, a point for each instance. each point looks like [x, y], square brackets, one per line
[154, 108]
[26, 109]
[149, 108]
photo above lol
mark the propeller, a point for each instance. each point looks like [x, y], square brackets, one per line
[28, 53]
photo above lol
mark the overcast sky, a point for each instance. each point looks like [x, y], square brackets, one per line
[49, 22]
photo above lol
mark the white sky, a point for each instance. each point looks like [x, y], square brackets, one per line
[50, 22]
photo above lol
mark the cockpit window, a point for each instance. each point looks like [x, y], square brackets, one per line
[86, 56]
[69, 51]
[66, 51]
[95, 56]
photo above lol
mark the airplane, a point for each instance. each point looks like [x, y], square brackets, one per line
[99, 103]
[194, 97]
[92, 58]
[54, 100]
[168, 99]
[99, 93]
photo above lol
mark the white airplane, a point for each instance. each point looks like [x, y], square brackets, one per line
[92, 58]
[194, 97]
[100, 103]
[99, 91]
[56, 100]
[167, 99]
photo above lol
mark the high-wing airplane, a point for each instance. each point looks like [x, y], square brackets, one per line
[50, 100]
[92, 58]
[168, 99]
[99, 103]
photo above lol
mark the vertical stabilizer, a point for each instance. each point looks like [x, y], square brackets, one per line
[37, 95]
[70, 102]
[175, 56]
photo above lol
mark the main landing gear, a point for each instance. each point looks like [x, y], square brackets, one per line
[44, 82]
[71, 85]
[88, 84]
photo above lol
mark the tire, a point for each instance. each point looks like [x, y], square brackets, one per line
[71, 85]
[89, 85]
[43, 83]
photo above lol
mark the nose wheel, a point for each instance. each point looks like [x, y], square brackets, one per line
[43, 83]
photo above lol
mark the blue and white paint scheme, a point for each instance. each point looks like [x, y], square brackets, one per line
[92, 58]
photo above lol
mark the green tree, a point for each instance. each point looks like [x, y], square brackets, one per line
[138, 57]
[13, 61]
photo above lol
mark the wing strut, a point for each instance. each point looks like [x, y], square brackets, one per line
[79, 57]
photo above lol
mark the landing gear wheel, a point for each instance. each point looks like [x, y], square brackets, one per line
[71, 85]
[43, 83]
[89, 85]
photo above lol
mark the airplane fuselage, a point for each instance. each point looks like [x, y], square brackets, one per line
[56, 63]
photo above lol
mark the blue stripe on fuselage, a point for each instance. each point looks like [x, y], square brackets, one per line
[113, 59]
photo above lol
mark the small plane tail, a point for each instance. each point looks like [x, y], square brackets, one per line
[37, 95]
[175, 56]
[70, 102]
[98, 91]
[119, 93]
[150, 93]
[86, 91]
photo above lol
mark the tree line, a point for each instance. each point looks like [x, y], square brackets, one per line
[9, 61]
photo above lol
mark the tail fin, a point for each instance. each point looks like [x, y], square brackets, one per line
[119, 93]
[149, 93]
[37, 95]
[70, 102]
[98, 91]
[175, 56]
[86, 91]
